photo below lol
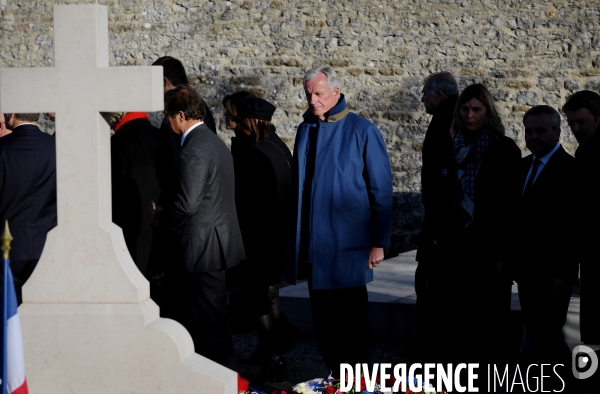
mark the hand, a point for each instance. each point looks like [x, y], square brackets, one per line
[375, 257]
[155, 210]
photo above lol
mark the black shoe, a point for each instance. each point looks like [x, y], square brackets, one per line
[274, 369]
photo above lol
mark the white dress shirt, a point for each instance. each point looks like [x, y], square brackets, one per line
[188, 131]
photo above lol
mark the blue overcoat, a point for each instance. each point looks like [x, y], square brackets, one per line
[351, 198]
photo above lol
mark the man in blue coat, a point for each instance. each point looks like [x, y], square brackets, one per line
[341, 216]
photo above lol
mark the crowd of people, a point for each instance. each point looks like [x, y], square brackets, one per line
[493, 217]
[206, 224]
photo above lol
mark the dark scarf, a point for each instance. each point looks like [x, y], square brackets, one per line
[468, 153]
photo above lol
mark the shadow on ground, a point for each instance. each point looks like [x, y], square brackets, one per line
[304, 361]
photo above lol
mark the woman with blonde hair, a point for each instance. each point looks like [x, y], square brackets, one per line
[484, 177]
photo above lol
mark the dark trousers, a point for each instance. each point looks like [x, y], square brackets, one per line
[545, 314]
[341, 320]
[590, 301]
[437, 301]
[479, 324]
[21, 271]
[199, 303]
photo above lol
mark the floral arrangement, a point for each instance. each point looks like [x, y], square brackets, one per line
[332, 386]
[244, 388]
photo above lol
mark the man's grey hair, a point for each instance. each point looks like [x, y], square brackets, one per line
[332, 79]
[443, 81]
[547, 110]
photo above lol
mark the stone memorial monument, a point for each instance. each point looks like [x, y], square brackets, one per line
[88, 323]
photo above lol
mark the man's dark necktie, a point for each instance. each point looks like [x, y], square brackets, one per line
[534, 171]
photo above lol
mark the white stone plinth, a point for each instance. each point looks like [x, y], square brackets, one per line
[114, 348]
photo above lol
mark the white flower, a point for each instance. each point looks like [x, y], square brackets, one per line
[429, 390]
[303, 388]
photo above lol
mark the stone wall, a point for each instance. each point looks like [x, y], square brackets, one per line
[526, 53]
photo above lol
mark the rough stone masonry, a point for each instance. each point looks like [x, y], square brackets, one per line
[525, 52]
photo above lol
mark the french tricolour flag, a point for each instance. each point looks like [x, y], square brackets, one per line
[14, 381]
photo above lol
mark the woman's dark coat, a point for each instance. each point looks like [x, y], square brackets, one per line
[475, 250]
[262, 189]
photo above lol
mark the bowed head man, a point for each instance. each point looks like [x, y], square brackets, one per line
[341, 215]
[201, 213]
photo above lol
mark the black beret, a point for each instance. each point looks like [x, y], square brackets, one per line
[255, 108]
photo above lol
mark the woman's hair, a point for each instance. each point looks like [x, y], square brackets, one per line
[479, 92]
[257, 129]
[228, 101]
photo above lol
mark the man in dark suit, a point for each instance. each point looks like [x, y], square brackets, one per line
[583, 114]
[27, 191]
[545, 265]
[168, 146]
[201, 211]
[173, 76]
[440, 93]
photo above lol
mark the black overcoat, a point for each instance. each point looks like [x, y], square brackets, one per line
[475, 250]
[28, 189]
[588, 162]
[134, 184]
[262, 190]
[437, 187]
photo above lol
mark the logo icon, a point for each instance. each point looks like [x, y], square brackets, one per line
[584, 362]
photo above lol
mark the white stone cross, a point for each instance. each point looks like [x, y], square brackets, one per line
[88, 323]
[80, 86]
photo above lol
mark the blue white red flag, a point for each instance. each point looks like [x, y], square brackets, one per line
[15, 382]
